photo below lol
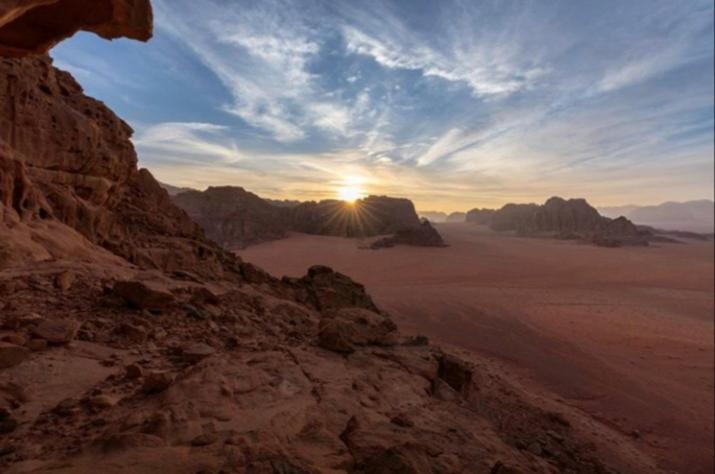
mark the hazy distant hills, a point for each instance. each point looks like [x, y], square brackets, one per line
[174, 190]
[693, 216]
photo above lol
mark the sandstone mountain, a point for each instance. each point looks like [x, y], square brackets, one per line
[130, 342]
[565, 219]
[236, 218]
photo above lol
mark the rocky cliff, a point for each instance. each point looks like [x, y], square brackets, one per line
[129, 342]
[565, 219]
[236, 218]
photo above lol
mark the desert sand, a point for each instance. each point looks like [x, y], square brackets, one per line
[626, 335]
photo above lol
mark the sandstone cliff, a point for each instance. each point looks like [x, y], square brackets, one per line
[565, 219]
[236, 218]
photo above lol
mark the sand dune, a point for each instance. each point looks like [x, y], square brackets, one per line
[623, 334]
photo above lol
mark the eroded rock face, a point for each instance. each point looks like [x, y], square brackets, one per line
[34, 26]
[67, 157]
[234, 217]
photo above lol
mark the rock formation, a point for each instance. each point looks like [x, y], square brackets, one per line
[422, 236]
[433, 216]
[236, 218]
[373, 215]
[564, 219]
[131, 343]
[34, 26]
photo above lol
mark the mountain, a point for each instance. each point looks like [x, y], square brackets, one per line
[565, 219]
[236, 218]
[692, 216]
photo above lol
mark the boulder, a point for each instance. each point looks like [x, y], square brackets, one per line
[197, 351]
[11, 355]
[142, 295]
[56, 331]
[157, 381]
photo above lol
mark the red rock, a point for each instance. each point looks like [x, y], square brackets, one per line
[157, 381]
[14, 338]
[34, 26]
[64, 280]
[11, 355]
[56, 331]
[143, 295]
[197, 351]
[133, 371]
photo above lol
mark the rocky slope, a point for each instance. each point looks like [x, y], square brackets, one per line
[565, 219]
[425, 235]
[236, 218]
[129, 342]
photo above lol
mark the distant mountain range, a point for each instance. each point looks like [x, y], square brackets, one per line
[693, 216]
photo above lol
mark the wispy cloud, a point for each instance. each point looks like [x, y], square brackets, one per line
[453, 103]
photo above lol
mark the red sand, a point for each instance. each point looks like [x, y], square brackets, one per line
[624, 334]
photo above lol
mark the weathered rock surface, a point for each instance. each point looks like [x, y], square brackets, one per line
[142, 295]
[480, 216]
[11, 354]
[67, 158]
[56, 331]
[34, 26]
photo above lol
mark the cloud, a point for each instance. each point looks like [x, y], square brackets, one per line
[188, 143]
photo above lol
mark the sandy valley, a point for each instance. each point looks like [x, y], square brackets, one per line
[625, 334]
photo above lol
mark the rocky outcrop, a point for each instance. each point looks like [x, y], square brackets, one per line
[234, 217]
[564, 219]
[433, 216]
[373, 215]
[425, 235]
[66, 157]
[35, 26]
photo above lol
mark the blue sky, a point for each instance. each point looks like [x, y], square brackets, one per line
[454, 104]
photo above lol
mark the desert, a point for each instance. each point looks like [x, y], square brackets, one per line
[622, 334]
[212, 259]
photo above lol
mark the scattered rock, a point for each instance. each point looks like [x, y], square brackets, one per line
[57, 331]
[65, 280]
[36, 345]
[133, 371]
[7, 422]
[157, 381]
[133, 332]
[455, 372]
[102, 401]
[14, 338]
[142, 295]
[12, 355]
[197, 351]
[204, 439]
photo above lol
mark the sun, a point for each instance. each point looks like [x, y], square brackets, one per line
[350, 193]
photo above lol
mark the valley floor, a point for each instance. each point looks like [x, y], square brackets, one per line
[625, 335]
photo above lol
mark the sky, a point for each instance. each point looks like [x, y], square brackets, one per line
[455, 104]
